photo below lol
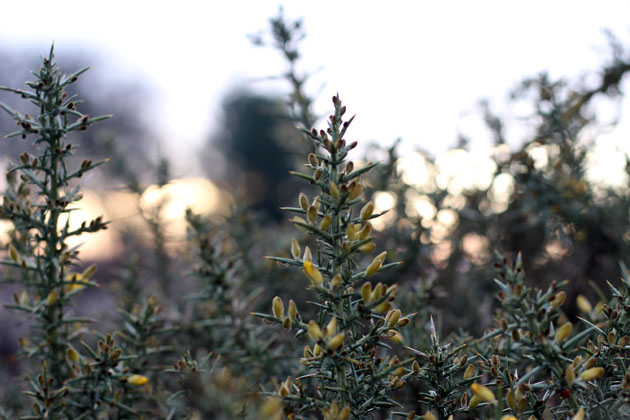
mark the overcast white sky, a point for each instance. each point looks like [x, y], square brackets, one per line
[408, 69]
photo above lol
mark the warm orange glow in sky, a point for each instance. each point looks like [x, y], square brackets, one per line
[121, 208]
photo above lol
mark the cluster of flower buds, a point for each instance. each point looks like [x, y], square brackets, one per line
[278, 312]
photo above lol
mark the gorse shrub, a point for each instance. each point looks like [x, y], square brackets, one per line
[363, 312]
[40, 199]
[351, 376]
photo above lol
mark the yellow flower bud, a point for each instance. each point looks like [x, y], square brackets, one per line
[592, 373]
[89, 272]
[295, 249]
[271, 409]
[365, 232]
[469, 372]
[415, 367]
[377, 292]
[286, 323]
[334, 190]
[337, 341]
[316, 203]
[52, 297]
[391, 291]
[335, 281]
[330, 413]
[312, 159]
[509, 399]
[297, 220]
[313, 273]
[303, 202]
[483, 392]
[344, 414]
[311, 214]
[508, 417]
[382, 307]
[580, 414]
[583, 304]
[284, 390]
[292, 309]
[115, 354]
[558, 300]
[317, 350]
[367, 210]
[137, 380]
[429, 416]
[569, 375]
[308, 353]
[307, 254]
[612, 338]
[366, 291]
[563, 332]
[72, 355]
[474, 401]
[331, 328]
[367, 247]
[325, 223]
[277, 307]
[314, 331]
[352, 230]
[355, 190]
[396, 337]
[375, 264]
[13, 253]
[392, 317]
[403, 322]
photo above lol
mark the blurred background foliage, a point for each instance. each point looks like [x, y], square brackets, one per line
[445, 217]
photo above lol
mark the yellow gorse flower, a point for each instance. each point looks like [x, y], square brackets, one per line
[558, 299]
[579, 415]
[367, 210]
[271, 409]
[483, 392]
[376, 263]
[563, 332]
[336, 341]
[314, 331]
[469, 372]
[333, 412]
[52, 297]
[429, 416]
[137, 380]
[295, 249]
[583, 304]
[593, 373]
[72, 355]
[277, 307]
[313, 273]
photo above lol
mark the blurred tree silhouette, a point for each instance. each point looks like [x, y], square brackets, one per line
[254, 141]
